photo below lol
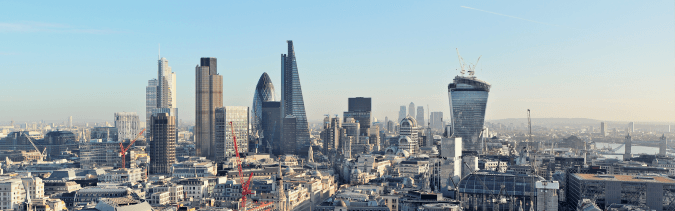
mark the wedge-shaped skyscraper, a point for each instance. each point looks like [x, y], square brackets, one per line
[291, 97]
[468, 99]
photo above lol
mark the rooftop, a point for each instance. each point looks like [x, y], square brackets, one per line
[625, 178]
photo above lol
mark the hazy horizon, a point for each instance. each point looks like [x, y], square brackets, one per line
[604, 60]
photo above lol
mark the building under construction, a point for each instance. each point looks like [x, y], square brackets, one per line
[606, 190]
[489, 190]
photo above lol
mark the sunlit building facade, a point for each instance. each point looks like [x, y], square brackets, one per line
[468, 99]
[292, 101]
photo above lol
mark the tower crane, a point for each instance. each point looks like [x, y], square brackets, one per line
[244, 185]
[42, 155]
[123, 150]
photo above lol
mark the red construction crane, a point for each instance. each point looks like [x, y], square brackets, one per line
[244, 185]
[123, 151]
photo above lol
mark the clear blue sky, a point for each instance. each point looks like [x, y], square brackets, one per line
[607, 60]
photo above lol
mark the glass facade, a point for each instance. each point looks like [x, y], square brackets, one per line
[468, 99]
[516, 187]
[264, 92]
[224, 145]
[291, 97]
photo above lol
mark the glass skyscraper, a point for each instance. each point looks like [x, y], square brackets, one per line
[264, 92]
[468, 99]
[291, 98]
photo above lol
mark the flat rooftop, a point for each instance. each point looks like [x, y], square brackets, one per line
[624, 178]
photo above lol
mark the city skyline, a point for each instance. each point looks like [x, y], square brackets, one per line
[591, 65]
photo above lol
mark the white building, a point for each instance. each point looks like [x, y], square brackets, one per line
[175, 192]
[35, 186]
[159, 198]
[131, 175]
[127, 124]
[12, 194]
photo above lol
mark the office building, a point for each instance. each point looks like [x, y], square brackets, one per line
[127, 124]
[420, 117]
[239, 116]
[150, 101]
[209, 96]
[436, 120]
[289, 136]
[411, 110]
[402, 113]
[360, 110]
[654, 192]
[468, 98]
[292, 101]
[166, 85]
[163, 144]
[264, 92]
[409, 135]
[271, 127]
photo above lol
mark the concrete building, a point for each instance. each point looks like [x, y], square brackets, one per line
[127, 124]
[194, 168]
[127, 175]
[224, 142]
[163, 144]
[208, 97]
[547, 195]
[627, 154]
[655, 192]
[13, 194]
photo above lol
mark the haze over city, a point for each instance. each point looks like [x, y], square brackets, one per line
[603, 60]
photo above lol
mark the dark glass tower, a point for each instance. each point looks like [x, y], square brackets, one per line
[360, 110]
[264, 92]
[468, 99]
[291, 98]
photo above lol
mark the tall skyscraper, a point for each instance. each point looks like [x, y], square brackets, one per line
[468, 98]
[163, 144]
[360, 110]
[264, 92]
[436, 120]
[291, 98]
[208, 97]
[411, 110]
[420, 117]
[150, 101]
[166, 85]
[627, 148]
[271, 127]
[127, 124]
[239, 116]
[402, 114]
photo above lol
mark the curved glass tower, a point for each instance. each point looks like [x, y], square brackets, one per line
[468, 99]
[264, 92]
